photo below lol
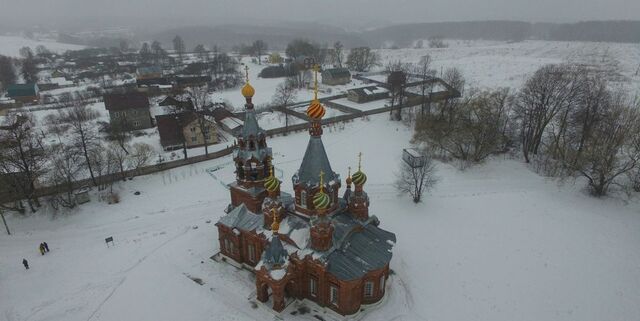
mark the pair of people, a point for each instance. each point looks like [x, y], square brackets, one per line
[44, 248]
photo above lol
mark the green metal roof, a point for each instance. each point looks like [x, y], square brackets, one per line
[21, 90]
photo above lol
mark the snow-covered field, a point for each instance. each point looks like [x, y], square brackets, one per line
[495, 242]
[10, 45]
[489, 64]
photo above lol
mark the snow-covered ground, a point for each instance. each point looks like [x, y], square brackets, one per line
[494, 242]
[10, 45]
[490, 64]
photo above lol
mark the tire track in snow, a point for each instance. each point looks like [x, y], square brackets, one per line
[126, 271]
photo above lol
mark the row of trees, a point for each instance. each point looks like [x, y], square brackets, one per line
[566, 120]
[26, 66]
[66, 149]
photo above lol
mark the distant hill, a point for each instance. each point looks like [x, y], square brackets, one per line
[403, 35]
[276, 36]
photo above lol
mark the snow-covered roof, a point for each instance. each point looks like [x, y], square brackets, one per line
[231, 122]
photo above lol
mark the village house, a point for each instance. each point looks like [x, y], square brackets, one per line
[227, 120]
[24, 93]
[149, 72]
[185, 128]
[367, 94]
[310, 245]
[336, 76]
[129, 110]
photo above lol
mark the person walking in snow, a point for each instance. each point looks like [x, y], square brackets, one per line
[25, 263]
[41, 248]
[46, 247]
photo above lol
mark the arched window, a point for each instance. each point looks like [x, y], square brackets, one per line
[303, 199]
[368, 289]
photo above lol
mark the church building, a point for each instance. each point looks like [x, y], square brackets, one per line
[317, 243]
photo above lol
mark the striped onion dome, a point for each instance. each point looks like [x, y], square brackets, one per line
[315, 110]
[359, 178]
[271, 184]
[321, 200]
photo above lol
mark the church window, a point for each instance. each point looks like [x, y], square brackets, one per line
[313, 287]
[303, 198]
[252, 253]
[333, 295]
[368, 289]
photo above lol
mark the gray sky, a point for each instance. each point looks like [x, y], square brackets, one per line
[342, 12]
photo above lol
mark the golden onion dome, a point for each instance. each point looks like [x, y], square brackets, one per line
[275, 225]
[321, 200]
[359, 178]
[315, 110]
[248, 91]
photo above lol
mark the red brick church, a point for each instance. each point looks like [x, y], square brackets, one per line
[314, 244]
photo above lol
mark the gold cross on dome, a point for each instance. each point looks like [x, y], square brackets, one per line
[359, 161]
[321, 181]
[246, 72]
[315, 69]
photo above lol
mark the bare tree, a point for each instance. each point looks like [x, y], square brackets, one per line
[117, 131]
[285, 94]
[7, 72]
[472, 130]
[424, 71]
[337, 54]
[118, 158]
[179, 46]
[199, 98]
[415, 180]
[146, 55]
[29, 69]
[549, 91]
[66, 169]
[397, 80]
[362, 59]
[82, 122]
[613, 148]
[24, 158]
[141, 156]
[437, 42]
[259, 47]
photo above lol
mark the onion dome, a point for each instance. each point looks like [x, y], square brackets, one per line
[271, 184]
[321, 200]
[316, 110]
[248, 91]
[359, 178]
[275, 225]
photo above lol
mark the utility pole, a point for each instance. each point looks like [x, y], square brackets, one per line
[5, 222]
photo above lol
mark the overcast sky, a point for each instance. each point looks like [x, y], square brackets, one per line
[341, 12]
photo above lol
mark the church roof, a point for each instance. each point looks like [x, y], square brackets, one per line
[357, 252]
[275, 254]
[241, 218]
[315, 160]
[251, 127]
